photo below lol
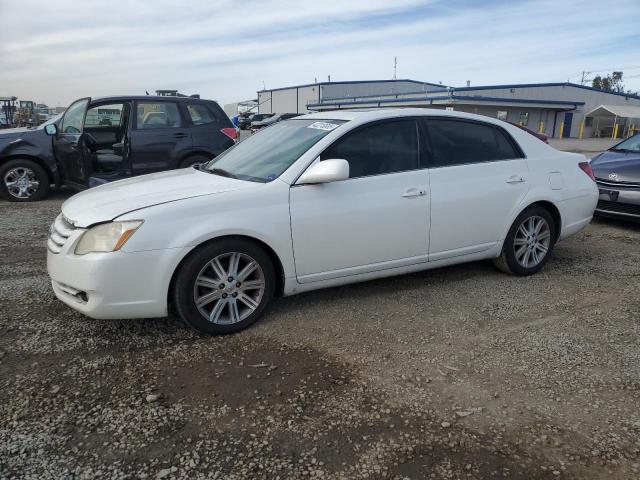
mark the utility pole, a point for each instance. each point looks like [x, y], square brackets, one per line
[395, 67]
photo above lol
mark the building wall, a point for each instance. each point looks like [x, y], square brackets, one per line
[344, 90]
[591, 98]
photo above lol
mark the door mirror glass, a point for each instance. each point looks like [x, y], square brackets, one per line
[51, 129]
[332, 170]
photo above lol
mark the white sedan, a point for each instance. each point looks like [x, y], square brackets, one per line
[320, 200]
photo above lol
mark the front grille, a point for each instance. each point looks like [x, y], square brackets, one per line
[618, 207]
[59, 233]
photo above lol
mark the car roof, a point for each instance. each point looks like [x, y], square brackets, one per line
[366, 115]
[115, 98]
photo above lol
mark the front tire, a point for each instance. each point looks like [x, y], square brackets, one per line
[529, 243]
[23, 180]
[224, 286]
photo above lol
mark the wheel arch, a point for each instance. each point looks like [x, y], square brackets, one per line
[277, 263]
[53, 177]
[552, 209]
[196, 153]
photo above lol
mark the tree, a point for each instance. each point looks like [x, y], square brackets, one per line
[610, 83]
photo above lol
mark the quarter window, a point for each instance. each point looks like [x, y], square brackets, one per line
[455, 142]
[200, 114]
[157, 115]
[378, 149]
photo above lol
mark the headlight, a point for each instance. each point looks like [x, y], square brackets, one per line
[107, 237]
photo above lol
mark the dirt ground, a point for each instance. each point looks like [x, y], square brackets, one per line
[457, 373]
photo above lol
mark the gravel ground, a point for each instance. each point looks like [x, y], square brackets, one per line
[461, 372]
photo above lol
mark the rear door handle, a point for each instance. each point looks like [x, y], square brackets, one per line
[515, 179]
[414, 192]
[180, 135]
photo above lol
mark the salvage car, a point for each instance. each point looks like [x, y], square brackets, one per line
[244, 121]
[27, 162]
[322, 200]
[104, 139]
[272, 119]
[617, 173]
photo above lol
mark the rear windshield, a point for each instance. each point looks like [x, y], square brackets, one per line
[264, 156]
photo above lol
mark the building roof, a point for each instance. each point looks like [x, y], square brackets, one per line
[353, 82]
[624, 111]
[559, 104]
[543, 85]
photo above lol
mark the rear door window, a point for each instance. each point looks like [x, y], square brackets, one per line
[457, 142]
[151, 115]
[378, 149]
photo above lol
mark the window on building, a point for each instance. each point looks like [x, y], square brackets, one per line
[157, 115]
[524, 119]
[378, 149]
[588, 121]
[457, 142]
[502, 115]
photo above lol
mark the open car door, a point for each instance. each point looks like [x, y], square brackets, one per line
[68, 148]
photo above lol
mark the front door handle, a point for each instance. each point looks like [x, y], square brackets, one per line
[180, 135]
[515, 179]
[414, 192]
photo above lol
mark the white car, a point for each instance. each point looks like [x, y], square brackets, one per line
[321, 200]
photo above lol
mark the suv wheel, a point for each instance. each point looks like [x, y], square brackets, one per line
[23, 180]
[224, 287]
[529, 242]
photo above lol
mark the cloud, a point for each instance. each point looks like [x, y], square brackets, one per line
[58, 51]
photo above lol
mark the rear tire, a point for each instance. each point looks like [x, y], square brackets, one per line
[529, 243]
[193, 160]
[224, 286]
[23, 180]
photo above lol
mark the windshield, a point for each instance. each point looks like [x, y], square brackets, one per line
[629, 145]
[265, 155]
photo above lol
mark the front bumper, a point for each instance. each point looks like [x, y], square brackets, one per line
[618, 201]
[114, 285]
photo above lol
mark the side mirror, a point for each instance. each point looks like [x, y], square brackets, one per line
[325, 171]
[51, 129]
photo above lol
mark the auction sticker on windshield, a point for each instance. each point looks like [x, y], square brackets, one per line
[323, 126]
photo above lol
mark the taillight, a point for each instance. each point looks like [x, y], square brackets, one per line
[232, 133]
[586, 168]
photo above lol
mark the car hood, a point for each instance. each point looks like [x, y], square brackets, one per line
[111, 200]
[617, 167]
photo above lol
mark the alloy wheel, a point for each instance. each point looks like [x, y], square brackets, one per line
[21, 182]
[532, 241]
[229, 288]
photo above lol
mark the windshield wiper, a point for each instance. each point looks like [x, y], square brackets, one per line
[222, 172]
[622, 150]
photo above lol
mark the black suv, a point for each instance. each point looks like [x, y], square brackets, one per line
[100, 140]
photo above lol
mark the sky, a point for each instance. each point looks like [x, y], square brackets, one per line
[56, 51]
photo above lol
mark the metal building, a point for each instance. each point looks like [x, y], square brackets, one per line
[556, 109]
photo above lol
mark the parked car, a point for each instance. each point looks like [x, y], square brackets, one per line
[105, 139]
[322, 200]
[617, 173]
[540, 136]
[278, 117]
[244, 121]
[27, 164]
